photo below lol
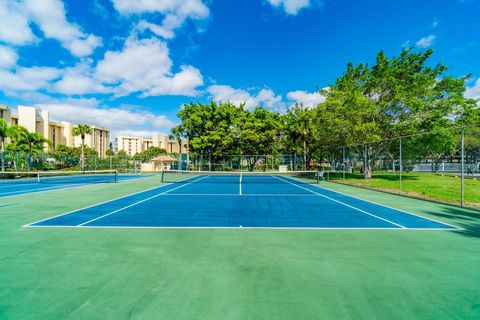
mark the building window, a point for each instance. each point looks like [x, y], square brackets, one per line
[54, 139]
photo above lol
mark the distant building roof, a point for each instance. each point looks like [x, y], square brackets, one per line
[163, 159]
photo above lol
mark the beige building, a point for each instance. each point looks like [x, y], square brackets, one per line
[133, 145]
[37, 120]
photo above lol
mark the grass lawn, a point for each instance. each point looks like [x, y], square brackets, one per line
[432, 186]
[75, 273]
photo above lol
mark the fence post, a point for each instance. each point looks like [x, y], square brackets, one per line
[343, 164]
[401, 166]
[462, 183]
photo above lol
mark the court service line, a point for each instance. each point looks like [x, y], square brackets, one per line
[388, 207]
[342, 203]
[137, 203]
[98, 204]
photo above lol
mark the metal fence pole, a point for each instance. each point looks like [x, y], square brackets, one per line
[343, 165]
[462, 183]
[401, 166]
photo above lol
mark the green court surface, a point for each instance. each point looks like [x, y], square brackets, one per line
[92, 273]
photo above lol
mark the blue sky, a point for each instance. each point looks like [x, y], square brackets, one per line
[129, 65]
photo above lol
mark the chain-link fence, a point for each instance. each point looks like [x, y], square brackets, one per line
[441, 166]
[25, 161]
[248, 163]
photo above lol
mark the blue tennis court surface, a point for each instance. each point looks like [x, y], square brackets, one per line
[27, 186]
[234, 201]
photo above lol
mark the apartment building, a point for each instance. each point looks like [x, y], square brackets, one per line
[133, 145]
[37, 120]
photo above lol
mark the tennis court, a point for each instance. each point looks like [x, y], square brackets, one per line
[241, 200]
[14, 184]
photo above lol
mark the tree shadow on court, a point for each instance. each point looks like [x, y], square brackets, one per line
[469, 220]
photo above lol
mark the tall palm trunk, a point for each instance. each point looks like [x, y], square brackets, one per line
[82, 160]
[180, 154]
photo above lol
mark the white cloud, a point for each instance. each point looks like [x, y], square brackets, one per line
[190, 8]
[8, 57]
[265, 97]
[291, 6]
[309, 100]
[14, 26]
[426, 42]
[175, 12]
[130, 71]
[136, 119]
[27, 79]
[474, 91]
[79, 80]
[50, 16]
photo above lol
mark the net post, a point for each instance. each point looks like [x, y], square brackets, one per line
[162, 176]
[38, 177]
[116, 176]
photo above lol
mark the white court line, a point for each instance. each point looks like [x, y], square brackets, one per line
[388, 207]
[240, 183]
[251, 228]
[342, 203]
[138, 202]
[237, 195]
[97, 204]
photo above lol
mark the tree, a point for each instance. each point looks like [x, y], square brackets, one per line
[82, 130]
[4, 133]
[394, 97]
[17, 142]
[122, 153]
[299, 129]
[210, 129]
[177, 134]
[109, 153]
[149, 154]
[34, 142]
[256, 134]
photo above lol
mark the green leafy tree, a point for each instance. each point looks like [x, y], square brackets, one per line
[122, 153]
[256, 134]
[299, 132]
[17, 143]
[4, 133]
[109, 153]
[394, 97]
[34, 143]
[149, 154]
[82, 130]
[177, 135]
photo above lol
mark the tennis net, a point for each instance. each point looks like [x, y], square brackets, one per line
[59, 177]
[179, 176]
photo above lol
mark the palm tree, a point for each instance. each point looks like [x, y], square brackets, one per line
[34, 142]
[4, 133]
[177, 133]
[82, 130]
[17, 143]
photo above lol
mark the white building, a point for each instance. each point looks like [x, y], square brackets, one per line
[37, 120]
[133, 145]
